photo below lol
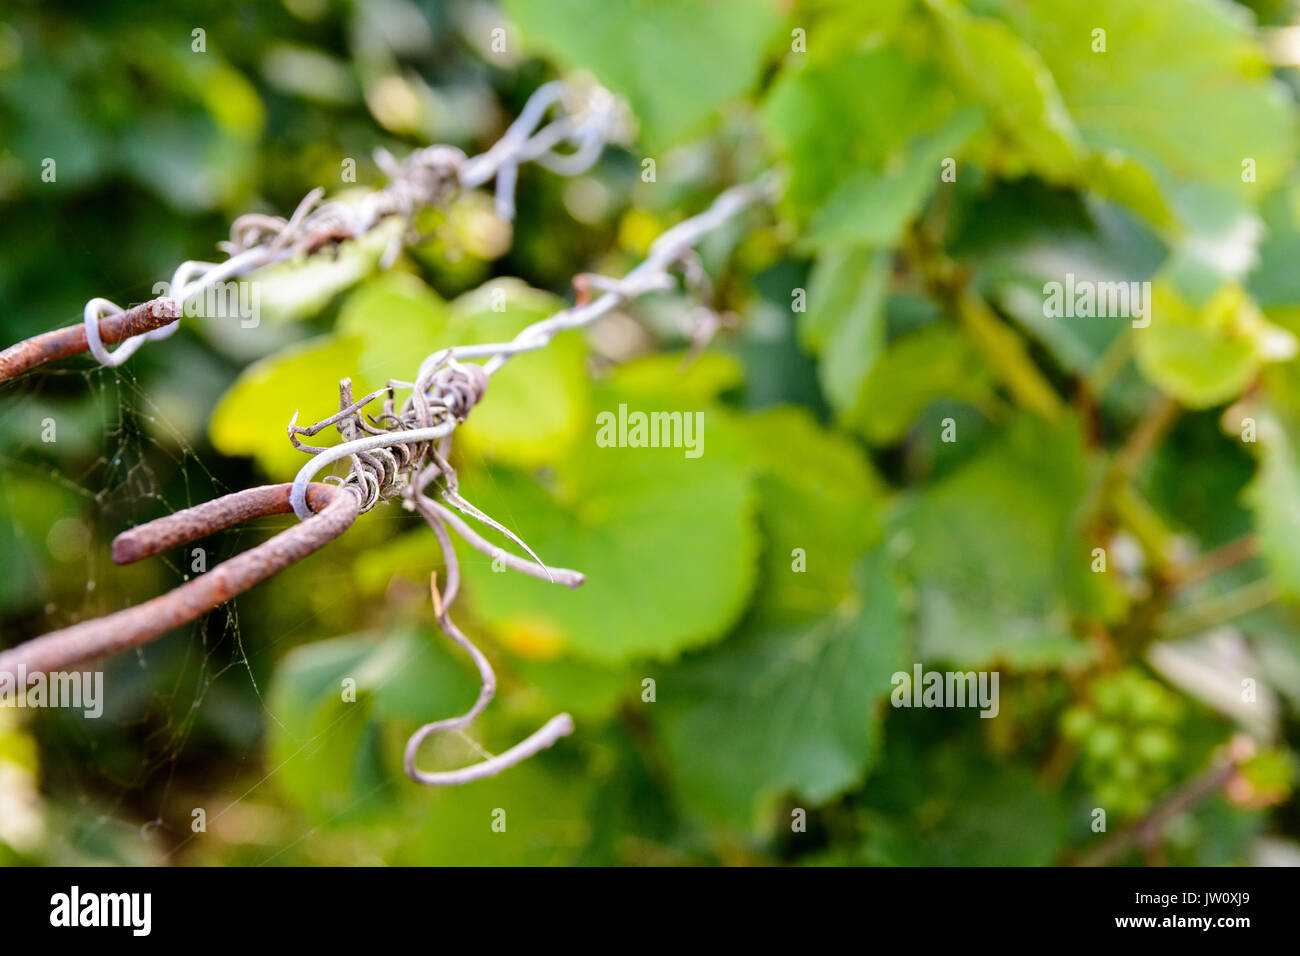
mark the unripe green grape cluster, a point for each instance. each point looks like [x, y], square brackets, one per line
[1127, 733]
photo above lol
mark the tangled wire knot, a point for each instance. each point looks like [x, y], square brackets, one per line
[442, 398]
[428, 177]
[589, 116]
[402, 452]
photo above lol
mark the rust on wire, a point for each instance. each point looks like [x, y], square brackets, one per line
[334, 509]
[590, 115]
[61, 343]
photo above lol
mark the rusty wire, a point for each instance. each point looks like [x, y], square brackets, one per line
[590, 116]
[400, 453]
[334, 510]
[403, 451]
[65, 342]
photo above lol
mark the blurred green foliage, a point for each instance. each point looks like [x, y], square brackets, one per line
[907, 459]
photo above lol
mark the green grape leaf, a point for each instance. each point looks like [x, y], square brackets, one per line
[1122, 178]
[845, 321]
[1002, 595]
[677, 62]
[999, 70]
[873, 208]
[537, 402]
[786, 707]
[318, 741]
[934, 362]
[252, 416]
[834, 119]
[819, 510]
[586, 690]
[400, 320]
[840, 25]
[675, 376]
[1274, 500]
[1180, 86]
[953, 805]
[328, 749]
[668, 542]
[1204, 354]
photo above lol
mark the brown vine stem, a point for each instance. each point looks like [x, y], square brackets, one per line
[1146, 435]
[335, 510]
[1220, 559]
[1005, 351]
[1145, 832]
[1001, 346]
[1217, 610]
[1111, 363]
[1115, 494]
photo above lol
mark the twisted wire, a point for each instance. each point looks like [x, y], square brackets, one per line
[426, 178]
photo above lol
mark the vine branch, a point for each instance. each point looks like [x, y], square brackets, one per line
[1145, 832]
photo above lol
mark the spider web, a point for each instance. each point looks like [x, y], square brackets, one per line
[143, 467]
